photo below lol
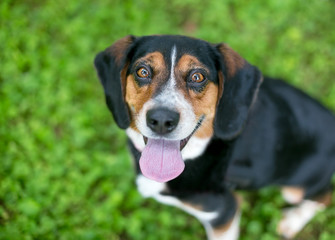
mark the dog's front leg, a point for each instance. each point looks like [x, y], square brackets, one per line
[218, 212]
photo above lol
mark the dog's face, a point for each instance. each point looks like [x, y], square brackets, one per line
[172, 91]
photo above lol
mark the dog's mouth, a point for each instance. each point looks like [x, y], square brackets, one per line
[182, 144]
[161, 159]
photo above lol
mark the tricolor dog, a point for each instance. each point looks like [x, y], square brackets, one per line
[203, 122]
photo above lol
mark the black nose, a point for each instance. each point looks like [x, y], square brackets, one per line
[162, 120]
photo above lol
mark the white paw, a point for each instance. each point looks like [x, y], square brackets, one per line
[294, 219]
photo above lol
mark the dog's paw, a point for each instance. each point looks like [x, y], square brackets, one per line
[295, 218]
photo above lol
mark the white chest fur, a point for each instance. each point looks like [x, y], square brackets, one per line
[150, 188]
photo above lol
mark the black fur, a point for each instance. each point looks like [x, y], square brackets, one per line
[238, 94]
[109, 72]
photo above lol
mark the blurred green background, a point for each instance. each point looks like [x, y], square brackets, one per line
[65, 172]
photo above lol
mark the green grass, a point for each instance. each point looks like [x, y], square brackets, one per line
[65, 172]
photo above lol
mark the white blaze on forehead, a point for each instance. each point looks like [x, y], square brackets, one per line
[170, 97]
[172, 80]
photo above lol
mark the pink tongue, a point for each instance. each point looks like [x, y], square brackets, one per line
[161, 160]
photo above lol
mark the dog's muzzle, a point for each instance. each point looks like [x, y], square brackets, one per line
[161, 159]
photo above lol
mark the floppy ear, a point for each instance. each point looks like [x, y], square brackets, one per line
[111, 66]
[238, 83]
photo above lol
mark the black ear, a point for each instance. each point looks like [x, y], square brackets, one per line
[239, 83]
[111, 66]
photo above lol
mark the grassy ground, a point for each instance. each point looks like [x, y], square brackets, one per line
[64, 170]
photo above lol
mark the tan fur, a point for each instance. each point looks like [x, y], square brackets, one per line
[325, 199]
[123, 76]
[221, 85]
[195, 206]
[155, 60]
[232, 59]
[187, 62]
[204, 103]
[220, 230]
[119, 47]
[293, 195]
[136, 97]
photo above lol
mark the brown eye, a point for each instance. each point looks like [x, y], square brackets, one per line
[142, 72]
[197, 77]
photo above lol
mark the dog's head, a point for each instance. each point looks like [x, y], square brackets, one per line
[173, 93]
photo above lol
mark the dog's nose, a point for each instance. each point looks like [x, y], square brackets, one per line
[162, 120]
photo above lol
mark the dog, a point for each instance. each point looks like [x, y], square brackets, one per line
[203, 122]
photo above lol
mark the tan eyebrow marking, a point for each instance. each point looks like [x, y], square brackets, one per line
[154, 59]
[232, 59]
[188, 62]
